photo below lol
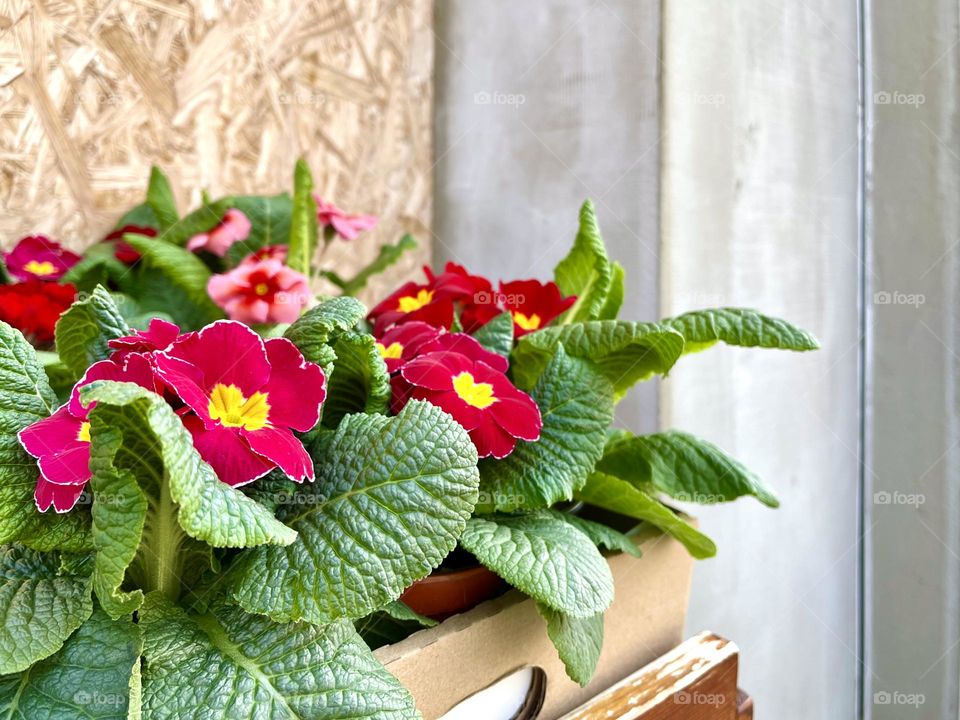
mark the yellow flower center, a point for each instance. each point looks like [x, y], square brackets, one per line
[232, 409]
[480, 395]
[393, 352]
[261, 288]
[40, 268]
[527, 323]
[410, 303]
[83, 435]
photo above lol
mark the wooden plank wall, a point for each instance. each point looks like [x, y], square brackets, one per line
[224, 96]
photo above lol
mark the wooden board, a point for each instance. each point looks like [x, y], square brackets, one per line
[223, 96]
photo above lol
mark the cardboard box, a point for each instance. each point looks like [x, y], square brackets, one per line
[444, 665]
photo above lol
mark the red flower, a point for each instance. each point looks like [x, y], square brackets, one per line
[33, 307]
[249, 396]
[433, 302]
[123, 251]
[494, 412]
[405, 342]
[37, 257]
[61, 442]
[345, 225]
[533, 304]
[159, 335]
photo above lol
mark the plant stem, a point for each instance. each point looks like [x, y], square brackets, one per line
[165, 562]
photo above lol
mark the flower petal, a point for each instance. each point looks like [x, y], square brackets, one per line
[466, 415]
[50, 435]
[135, 368]
[185, 380]
[70, 466]
[296, 389]
[61, 497]
[470, 347]
[227, 453]
[226, 352]
[491, 440]
[283, 448]
[435, 371]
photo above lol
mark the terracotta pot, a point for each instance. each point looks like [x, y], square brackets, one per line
[448, 592]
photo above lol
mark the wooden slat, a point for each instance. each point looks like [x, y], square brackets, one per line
[697, 680]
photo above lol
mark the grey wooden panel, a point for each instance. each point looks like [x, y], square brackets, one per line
[913, 443]
[539, 106]
[760, 177]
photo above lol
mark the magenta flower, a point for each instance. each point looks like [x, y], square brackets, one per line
[404, 342]
[249, 395]
[233, 228]
[261, 289]
[159, 335]
[37, 257]
[61, 442]
[345, 225]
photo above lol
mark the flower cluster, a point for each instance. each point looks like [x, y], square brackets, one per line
[241, 398]
[261, 289]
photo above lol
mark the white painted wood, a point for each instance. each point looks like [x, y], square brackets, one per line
[539, 106]
[913, 429]
[759, 208]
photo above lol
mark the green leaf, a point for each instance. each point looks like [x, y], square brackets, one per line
[26, 398]
[497, 335]
[576, 404]
[359, 381]
[578, 641]
[616, 495]
[390, 500]
[387, 257]
[614, 301]
[203, 219]
[684, 467]
[316, 330]
[625, 352]
[142, 215]
[303, 220]
[741, 327]
[83, 330]
[227, 665]
[392, 623]
[98, 266]
[40, 607]
[269, 223]
[160, 199]
[210, 510]
[545, 557]
[184, 277]
[90, 678]
[603, 536]
[586, 271]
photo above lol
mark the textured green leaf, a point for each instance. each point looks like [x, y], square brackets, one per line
[227, 665]
[576, 404]
[545, 557]
[316, 330]
[611, 307]
[180, 289]
[390, 500]
[303, 220]
[210, 510]
[497, 335]
[98, 266]
[40, 607]
[26, 398]
[89, 679]
[625, 352]
[739, 326]
[386, 258]
[616, 495]
[359, 381]
[586, 271]
[684, 467]
[603, 536]
[141, 215]
[83, 330]
[160, 199]
[392, 623]
[269, 218]
[578, 641]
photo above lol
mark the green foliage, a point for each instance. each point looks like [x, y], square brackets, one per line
[391, 623]
[386, 258]
[303, 220]
[739, 326]
[269, 223]
[586, 271]
[160, 199]
[82, 332]
[359, 380]
[497, 335]
[578, 641]
[603, 536]
[611, 306]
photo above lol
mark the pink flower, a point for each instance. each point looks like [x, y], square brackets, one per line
[233, 228]
[37, 257]
[345, 225]
[249, 395]
[261, 289]
[159, 335]
[61, 442]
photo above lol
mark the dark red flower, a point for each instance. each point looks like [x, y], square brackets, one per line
[488, 406]
[123, 250]
[37, 257]
[404, 342]
[533, 304]
[33, 307]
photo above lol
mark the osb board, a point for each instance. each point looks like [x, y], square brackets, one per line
[224, 96]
